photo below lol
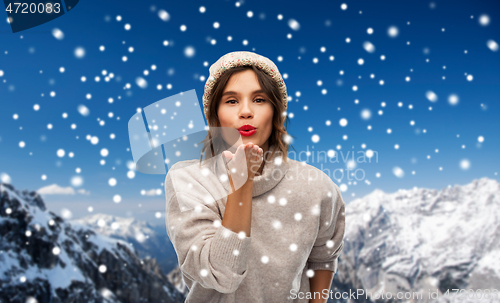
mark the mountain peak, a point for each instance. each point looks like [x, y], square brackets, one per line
[423, 238]
[69, 263]
[28, 197]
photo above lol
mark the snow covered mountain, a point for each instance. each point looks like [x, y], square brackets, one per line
[150, 241]
[409, 241]
[420, 239]
[44, 258]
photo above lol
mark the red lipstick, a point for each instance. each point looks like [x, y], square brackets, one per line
[247, 130]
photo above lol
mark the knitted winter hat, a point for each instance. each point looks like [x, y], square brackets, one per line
[240, 58]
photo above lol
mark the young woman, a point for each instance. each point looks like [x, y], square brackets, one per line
[277, 233]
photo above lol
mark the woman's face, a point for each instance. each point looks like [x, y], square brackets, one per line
[244, 102]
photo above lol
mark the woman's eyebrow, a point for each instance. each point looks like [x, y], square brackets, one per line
[235, 93]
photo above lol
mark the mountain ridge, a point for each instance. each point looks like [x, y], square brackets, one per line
[44, 258]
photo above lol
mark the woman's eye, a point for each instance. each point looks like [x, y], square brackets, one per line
[262, 100]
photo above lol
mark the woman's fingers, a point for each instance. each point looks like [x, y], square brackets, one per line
[249, 150]
[251, 154]
[227, 154]
[256, 152]
[253, 150]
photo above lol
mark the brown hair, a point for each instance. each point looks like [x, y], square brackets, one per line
[270, 87]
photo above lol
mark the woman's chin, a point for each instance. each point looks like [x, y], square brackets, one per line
[247, 140]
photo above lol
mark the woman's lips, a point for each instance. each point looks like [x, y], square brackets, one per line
[247, 133]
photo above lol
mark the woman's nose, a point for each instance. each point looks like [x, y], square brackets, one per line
[246, 109]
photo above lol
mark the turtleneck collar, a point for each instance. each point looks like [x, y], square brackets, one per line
[272, 174]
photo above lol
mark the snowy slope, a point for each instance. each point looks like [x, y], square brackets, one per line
[149, 241]
[420, 239]
[46, 258]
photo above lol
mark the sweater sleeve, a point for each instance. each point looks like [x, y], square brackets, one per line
[208, 252]
[330, 239]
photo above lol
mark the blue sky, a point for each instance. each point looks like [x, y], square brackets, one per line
[416, 55]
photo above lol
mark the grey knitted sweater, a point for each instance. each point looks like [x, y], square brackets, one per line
[297, 225]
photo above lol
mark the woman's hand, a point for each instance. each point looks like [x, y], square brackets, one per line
[247, 160]
[254, 159]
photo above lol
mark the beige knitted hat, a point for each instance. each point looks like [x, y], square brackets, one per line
[240, 58]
